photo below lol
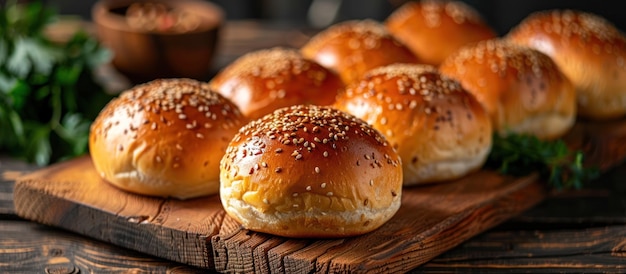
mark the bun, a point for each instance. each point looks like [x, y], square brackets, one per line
[310, 171]
[435, 29]
[589, 50]
[164, 138]
[522, 89]
[440, 131]
[353, 47]
[265, 80]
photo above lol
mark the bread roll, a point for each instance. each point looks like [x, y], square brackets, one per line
[264, 80]
[353, 47]
[590, 51]
[522, 89]
[434, 29]
[310, 171]
[164, 138]
[440, 131]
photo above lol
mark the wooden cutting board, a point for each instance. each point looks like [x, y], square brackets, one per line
[431, 220]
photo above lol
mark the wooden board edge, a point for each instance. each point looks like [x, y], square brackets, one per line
[28, 200]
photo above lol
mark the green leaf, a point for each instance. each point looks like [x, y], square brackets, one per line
[68, 75]
[520, 154]
[6, 84]
[40, 150]
[48, 94]
[18, 94]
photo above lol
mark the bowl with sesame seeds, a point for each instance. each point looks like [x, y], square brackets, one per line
[153, 39]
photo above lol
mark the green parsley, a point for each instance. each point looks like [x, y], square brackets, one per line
[520, 154]
[48, 92]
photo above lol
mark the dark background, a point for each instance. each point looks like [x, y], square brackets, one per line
[500, 14]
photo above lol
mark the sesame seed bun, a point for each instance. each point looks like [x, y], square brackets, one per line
[310, 171]
[440, 130]
[523, 90]
[353, 47]
[164, 138]
[435, 29]
[588, 49]
[262, 81]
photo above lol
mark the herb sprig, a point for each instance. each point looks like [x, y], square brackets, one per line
[48, 92]
[522, 154]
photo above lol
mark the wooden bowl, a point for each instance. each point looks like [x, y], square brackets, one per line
[153, 39]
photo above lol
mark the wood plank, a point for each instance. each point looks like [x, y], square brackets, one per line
[431, 220]
[591, 250]
[28, 247]
[71, 195]
[10, 169]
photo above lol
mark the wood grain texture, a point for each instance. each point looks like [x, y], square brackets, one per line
[28, 247]
[10, 170]
[431, 220]
[197, 232]
[591, 250]
[71, 195]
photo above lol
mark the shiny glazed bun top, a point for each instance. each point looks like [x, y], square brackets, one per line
[588, 49]
[262, 81]
[439, 129]
[164, 138]
[523, 90]
[353, 47]
[310, 171]
[435, 29]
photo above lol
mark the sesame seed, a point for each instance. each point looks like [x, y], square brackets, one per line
[325, 153]
[329, 194]
[278, 170]
[323, 185]
[308, 188]
[299, 157]
[295, 194]
[265, 201]
[317, 170]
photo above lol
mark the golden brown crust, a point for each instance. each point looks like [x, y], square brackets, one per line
[435, 29]
[522, 89]
[262, 81]
[164, 138]
[588, 49]
[310, 171]
[440, 131]
[353, 47]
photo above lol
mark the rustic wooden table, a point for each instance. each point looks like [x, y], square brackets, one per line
[577, 231]
[574, 231]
